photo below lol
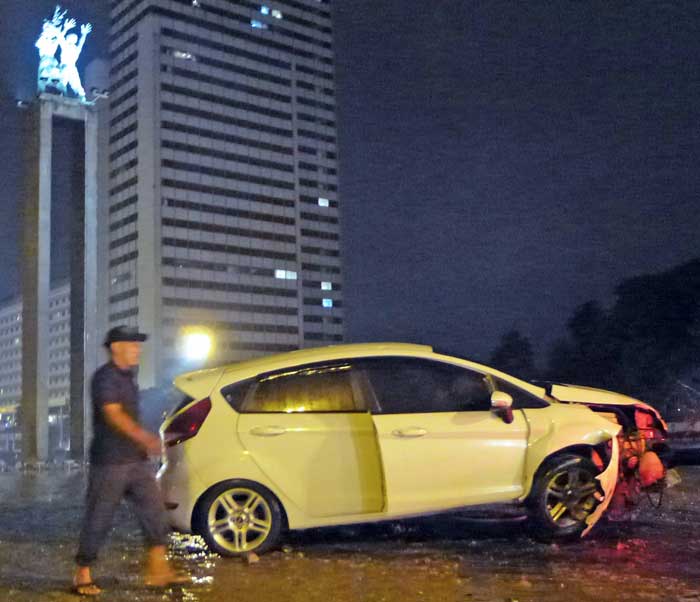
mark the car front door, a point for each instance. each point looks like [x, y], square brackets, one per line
[440, 444]
[308, 430]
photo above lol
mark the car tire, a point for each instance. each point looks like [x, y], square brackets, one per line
[238, 517]
[564, 494]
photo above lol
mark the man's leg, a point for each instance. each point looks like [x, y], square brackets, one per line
[105, 489]
[145, 498]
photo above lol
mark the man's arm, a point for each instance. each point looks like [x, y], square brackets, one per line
[118, 419]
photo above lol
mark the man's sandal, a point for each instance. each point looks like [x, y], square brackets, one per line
[86, 589]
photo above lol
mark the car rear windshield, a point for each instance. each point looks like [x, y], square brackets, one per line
[177, 400]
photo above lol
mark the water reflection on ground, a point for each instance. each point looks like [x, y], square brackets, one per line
[652, 557]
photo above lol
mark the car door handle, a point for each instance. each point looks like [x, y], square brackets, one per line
[268, 431]
[410, 432]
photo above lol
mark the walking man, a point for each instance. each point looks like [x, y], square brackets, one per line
[119, 467]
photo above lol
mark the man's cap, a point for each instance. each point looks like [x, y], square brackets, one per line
[124, 333]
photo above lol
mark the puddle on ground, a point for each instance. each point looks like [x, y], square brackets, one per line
[450, 557]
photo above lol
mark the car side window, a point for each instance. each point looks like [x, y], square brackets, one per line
[235, 394]
[404, 385]
[316, 388]
[522, 400]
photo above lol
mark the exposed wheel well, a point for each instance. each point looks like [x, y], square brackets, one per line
[563, 495]
[578, 450]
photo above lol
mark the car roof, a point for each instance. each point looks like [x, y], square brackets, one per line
[331, 352]
[269, 363]
[305, 356]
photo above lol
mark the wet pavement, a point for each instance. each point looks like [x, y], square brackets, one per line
[652, 556]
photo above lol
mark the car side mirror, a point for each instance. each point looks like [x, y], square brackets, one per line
[502, 405]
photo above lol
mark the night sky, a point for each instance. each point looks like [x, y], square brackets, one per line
[501, 162]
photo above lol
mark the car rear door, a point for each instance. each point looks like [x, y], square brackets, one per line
[308, 430]
[440, 444]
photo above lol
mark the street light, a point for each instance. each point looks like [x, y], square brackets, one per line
[196, 345]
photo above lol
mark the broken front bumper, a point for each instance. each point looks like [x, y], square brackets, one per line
[608, 482]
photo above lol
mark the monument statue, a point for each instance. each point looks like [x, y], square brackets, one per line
[57, 76]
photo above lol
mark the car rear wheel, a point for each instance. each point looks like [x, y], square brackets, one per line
[238, 517]
[565, 493]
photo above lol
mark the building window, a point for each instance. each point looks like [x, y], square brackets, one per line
[120, 278]
[323, 202]
[326, 286]
[255, 24]
[185, 56]
[327, 303]
[285, 275]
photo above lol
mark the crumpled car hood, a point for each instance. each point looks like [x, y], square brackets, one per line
[591, 395]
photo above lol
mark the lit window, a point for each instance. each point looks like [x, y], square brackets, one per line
[277, 14]
[196, 3]
[265, 10]
[327, 302]
[323, 202]
[326, 286]
[255, 24]
[285, 275]
[185, 56]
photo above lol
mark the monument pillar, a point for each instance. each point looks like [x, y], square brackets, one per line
[36, 273]
[34, 407]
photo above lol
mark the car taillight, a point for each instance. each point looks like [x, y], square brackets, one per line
[187, 424]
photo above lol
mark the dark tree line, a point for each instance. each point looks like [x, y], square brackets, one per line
[646, 345]
[514, 355]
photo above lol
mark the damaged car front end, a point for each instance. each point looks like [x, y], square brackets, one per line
[644, 457]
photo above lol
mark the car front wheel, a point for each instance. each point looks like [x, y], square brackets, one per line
[238, 517]
[565, 493]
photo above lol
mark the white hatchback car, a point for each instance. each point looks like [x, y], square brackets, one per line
[369, 432]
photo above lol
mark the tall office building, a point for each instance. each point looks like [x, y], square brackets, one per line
[223, 206]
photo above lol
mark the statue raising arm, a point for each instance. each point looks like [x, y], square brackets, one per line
[68, 25]
[84, 31]
[58, 17]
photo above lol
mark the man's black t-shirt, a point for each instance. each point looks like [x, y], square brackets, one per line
[111, 384]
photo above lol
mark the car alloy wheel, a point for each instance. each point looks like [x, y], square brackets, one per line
[565, 493]
[570, 495]
[238, 517]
